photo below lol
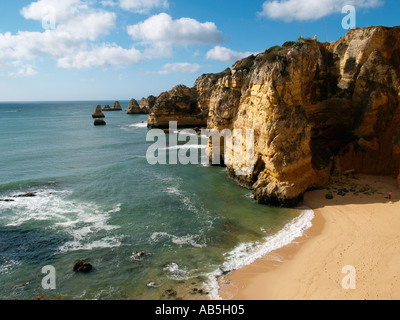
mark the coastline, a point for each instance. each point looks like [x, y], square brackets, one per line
[360, 229]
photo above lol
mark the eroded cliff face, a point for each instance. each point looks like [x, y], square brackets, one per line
[316, 109]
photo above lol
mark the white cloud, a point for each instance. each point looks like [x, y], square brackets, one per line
[71, 44]
[226, 55]
[68, 39]
[183, 67]
[161, 30]
[303, 10]
[63, 9]
[23, 70]
[143, 6]
[108, 3]
[100, 57]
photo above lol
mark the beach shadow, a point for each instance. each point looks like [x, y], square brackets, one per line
[354, 190]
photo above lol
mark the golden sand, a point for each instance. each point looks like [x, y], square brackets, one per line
[360, 231]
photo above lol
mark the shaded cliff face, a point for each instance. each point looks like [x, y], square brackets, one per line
[316, 109]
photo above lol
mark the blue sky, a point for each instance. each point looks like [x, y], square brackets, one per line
[53, 50]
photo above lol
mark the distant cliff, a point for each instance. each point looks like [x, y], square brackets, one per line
[146, 104]
[316, 109]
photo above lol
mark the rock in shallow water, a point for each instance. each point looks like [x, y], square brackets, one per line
[27, 195]
[99, 122]
[82, 266]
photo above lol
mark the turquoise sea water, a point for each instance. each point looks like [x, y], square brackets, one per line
[98, 199]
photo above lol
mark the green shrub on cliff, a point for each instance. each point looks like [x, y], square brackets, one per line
[272, 54]
[246, 64]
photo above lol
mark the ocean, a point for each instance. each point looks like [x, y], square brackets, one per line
[98, 199]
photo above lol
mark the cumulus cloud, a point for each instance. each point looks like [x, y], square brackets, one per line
[303, 10]
[161, 30]
[183, 67]
[23, 70]
[143, 6]
[102, 56]
[226, 55]
[63, 9]
[75, 41]
[70, 43]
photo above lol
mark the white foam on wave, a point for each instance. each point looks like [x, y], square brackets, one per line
[134, 126]
[186, 201]
[8, 266]
[247, 253]
[177, 272]
[76, 245]
[190, 240]
[81, 220]
[138, 125]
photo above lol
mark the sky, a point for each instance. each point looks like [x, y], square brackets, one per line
[60, 50]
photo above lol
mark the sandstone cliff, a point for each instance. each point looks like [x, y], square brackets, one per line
[146, 104]
[181, 105]
[317, 109]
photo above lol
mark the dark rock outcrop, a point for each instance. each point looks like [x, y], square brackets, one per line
[82, 266]
[27, 195]
[99, 122]
[116, 107]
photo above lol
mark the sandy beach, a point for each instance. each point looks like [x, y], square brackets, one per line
[359, 231]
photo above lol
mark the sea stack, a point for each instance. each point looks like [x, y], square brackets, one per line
[147, 104]
[117, 106]
[107, 108]
[98, 113]
[133, 107]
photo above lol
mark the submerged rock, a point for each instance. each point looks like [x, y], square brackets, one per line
[82, 266]
[98, 113]
[170, 293]
[138, 255]
[27, 195]
[99, 122]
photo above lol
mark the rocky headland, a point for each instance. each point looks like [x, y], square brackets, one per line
[317, 109]
[146, 104]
